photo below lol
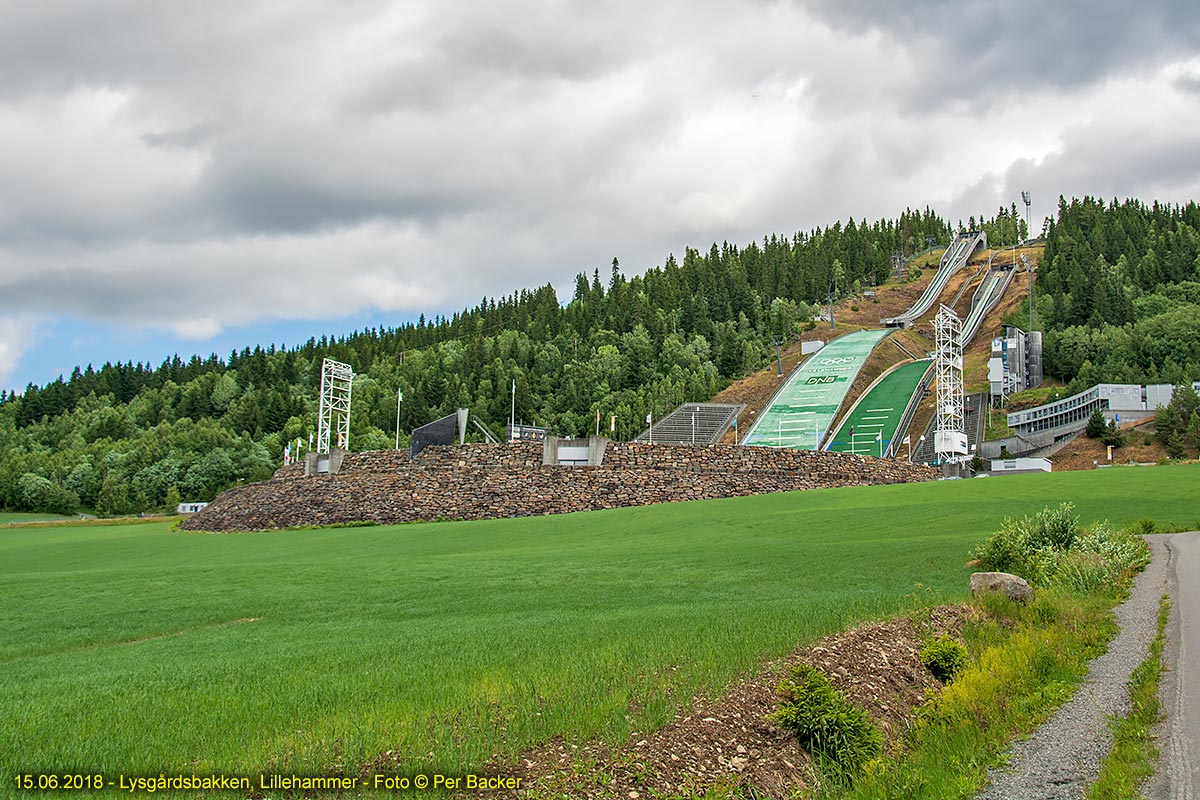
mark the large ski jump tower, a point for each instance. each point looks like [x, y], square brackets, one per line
[949, 436]
[336, 381]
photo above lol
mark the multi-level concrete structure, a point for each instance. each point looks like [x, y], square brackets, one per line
[1016, 362]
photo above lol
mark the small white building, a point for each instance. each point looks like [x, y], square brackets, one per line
[1020, 465]
[189, 508]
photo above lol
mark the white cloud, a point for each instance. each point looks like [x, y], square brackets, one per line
[17, 334]
[316, 159]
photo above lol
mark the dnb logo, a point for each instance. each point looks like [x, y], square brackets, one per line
[819, 380]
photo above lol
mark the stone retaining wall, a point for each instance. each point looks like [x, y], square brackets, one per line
[480, 481]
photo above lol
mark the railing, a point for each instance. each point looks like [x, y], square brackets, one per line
[986, 298]
[955, 258]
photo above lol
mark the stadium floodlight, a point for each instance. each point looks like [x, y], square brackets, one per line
[336, 382]
[1028, 200]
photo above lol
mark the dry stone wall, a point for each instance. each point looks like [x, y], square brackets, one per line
[509, 480]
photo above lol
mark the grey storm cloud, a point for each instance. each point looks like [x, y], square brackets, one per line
[308, 159]
[977, 50]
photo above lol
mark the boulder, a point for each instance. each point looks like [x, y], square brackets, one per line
[1013, 587]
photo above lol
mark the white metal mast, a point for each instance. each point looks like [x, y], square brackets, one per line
[336, 382]
[949, 436]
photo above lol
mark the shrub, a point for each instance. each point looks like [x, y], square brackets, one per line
[1019, 546]
[1096, 425]
[838, 733]
[1113, 436]
[1050, 549]
[1006, 550]
[944, 657]
[1081, 571]
[1054, 527]
[1143, 526]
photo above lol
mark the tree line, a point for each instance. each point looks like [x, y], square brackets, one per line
[1118, 293]
[129, 437]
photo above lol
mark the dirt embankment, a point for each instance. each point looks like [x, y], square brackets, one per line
[731, 742]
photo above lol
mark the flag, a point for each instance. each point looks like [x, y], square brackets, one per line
[879, 436]
[648, 417]
[906, 440]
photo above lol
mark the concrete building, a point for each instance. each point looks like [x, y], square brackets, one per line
[1124, 400]
[1016, 362]
[1042, 429]
[1019, 465]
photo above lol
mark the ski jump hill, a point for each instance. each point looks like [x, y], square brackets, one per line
[805, 413]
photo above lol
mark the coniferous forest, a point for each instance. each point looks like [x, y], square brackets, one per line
[1118, 297]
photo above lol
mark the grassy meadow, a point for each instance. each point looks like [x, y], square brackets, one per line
[139, 649]
[15, 517]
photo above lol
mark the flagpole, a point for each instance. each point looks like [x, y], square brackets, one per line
[399, 400]
[512, 419]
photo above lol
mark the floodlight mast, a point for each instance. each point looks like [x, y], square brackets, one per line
[1028, 200]
[337, 380]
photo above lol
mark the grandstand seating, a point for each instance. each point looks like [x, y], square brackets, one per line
[693, 423]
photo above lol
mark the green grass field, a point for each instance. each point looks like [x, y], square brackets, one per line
[10, 517]
[138, 649]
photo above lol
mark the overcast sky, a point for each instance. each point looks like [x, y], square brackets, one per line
[193, 176]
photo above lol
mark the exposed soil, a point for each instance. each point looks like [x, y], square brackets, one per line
[730, 743]
[1085, 453]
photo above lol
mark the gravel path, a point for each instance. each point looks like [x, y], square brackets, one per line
[1178, 733]
[1063, 756]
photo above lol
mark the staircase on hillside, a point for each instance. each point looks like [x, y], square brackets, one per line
[974, 422]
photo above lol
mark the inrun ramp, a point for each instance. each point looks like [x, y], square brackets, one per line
[985, 299]
[954, 259]
[871, 425]
[805, 406]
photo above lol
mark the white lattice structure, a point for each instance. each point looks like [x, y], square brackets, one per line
[949, 434]
[336, 381]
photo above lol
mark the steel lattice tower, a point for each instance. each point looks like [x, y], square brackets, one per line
[336, 381]
[949, 436]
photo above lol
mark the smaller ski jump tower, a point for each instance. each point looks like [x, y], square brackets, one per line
[336, 381]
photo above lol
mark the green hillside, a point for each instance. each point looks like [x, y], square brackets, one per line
[1118, 298]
